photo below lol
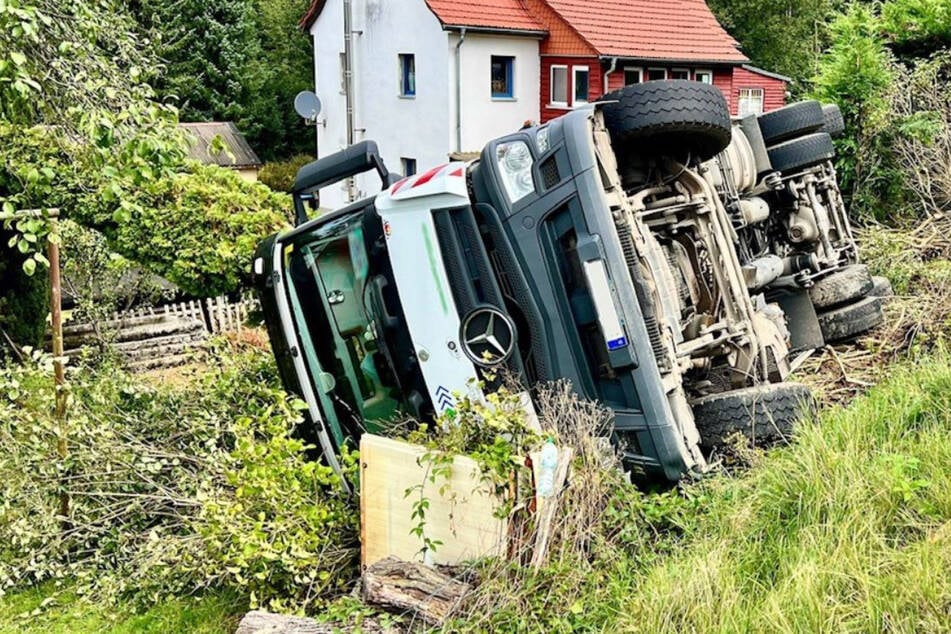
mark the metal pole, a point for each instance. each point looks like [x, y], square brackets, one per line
[59, 371]
[348, 84]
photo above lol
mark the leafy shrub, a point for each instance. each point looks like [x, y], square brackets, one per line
[99, 282]
[858, 73]
[916, 26]
[280, 175]
[198, 228]
[171, 491]
[24, 299]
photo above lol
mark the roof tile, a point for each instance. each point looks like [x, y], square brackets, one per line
[682, 30]
[493, 14]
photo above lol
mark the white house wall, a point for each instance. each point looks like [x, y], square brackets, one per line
[422, 128]
[485, 118]
[417, 128]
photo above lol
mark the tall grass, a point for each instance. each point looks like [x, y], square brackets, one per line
[845, 531]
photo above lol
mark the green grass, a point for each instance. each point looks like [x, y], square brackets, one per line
[212, 614]
[848, 530]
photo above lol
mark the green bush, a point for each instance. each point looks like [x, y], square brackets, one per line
[858, 73]
[172, 490]
[198, 228]
[280, 175]
[917, 26]
[24, 299]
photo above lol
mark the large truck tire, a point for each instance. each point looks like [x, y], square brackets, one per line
[765, 414]
[791, 121]
[792, 156]
[676, 118]
[834, 124]
[852, 320]
[843, 286]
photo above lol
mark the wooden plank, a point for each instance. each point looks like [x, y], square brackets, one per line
[461, 517]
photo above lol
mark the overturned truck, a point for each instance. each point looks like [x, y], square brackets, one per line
[599, 248]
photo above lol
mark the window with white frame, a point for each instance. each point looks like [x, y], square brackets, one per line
[581, 75]
[680, 73]
[751, 101]
[559, 86]
[656, 73]
[703, 76]
[633, 76]
[407, 75]
[408, 165]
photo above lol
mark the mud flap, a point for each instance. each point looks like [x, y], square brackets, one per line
[805, 333]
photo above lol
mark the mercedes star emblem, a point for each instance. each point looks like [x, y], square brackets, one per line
[488, 336]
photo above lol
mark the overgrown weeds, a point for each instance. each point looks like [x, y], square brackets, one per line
[171, 491]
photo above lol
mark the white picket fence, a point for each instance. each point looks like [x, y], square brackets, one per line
[219, 315]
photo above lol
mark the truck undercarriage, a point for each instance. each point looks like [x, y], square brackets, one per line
[572, 251]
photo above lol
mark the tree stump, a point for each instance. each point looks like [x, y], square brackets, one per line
[403, 586]
[260, 622]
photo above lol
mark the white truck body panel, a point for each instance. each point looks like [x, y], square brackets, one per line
[406, 211]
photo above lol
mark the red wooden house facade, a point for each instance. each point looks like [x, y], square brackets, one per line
[596, 46]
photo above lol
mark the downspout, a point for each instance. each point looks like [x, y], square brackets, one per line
[462, 40]
[348, 82]
[611, 69]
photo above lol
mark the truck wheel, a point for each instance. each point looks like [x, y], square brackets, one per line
[834, 124]
[798, 154]
[848, 322]
[841, 287]
[765, 414]
[679, 117]
[792, 121]
[881, 287]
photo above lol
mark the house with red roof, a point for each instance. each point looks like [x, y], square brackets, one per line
[429, 78]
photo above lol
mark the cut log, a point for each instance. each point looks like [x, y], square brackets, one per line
[260, 622]
[406, 586]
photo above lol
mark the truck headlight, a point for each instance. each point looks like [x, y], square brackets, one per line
[542, 140]
[515, 163]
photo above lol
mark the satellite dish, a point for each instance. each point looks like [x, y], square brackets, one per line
[307, 105]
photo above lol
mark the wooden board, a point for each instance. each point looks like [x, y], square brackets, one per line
[461, 517]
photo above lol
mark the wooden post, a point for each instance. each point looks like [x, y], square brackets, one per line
[59, 370]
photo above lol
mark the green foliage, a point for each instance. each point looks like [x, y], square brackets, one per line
[24, 300]
[235, 60]
[73, 99]
[917, 27]
[98, 281]
[783, 37]
[280, 175]
[48, 609]
[858, 73]
[493, 432]
[208, 48]
[172, 490]
[287, 64]
[195, 225]
[198, 228]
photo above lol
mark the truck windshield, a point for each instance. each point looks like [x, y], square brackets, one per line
[328, 274]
